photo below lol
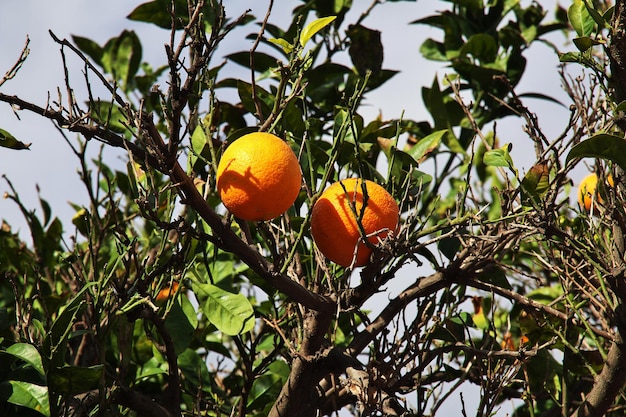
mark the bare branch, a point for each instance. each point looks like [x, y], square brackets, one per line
[12, 72]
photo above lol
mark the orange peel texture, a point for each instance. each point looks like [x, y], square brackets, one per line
[258, 177]
[334, 224]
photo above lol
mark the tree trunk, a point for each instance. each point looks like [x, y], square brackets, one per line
[617, 56]
[607, 384]
[299, 396]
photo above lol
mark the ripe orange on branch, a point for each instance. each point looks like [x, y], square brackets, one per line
[336, 216]
[258, 177]
[167, 292]
[588, 191]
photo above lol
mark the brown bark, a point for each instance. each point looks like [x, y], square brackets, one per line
[617, 56]
[300, 396]
[607, 384]
[143, 405]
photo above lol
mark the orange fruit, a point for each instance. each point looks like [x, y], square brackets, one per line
[167, 292]
[334, 225]
[588, 193]
[258, 177]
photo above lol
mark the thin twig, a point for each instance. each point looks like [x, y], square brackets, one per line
[12, 72]
[255, 98]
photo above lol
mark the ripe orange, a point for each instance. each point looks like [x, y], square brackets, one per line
[167, 292]
[334, 225]
[588, 193]
[258, 177]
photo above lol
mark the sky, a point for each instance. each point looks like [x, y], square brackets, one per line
[50, 165]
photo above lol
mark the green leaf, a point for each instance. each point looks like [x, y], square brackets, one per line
[198, 143]
[47, 211]
[541, 96]
[499, 157]
[89, 48]
[181, 322]
[584, 43]
[28, 353]
[73, 380]
[262, 61]
[453, 329]
[449, 247]
[263, 97]
[481, 46]
[121, 57]
[570, 57]
[433, 50]
[426, 145]
[582, 59]
[402, 162]
[580, 18]
[495, 276]
[54, 345]
[315, 26]
[267, 387]
[230, 313]
[158, 12]
[7, 140]
[195, 370]
[602, 146]
[366, 50]
[25, 394]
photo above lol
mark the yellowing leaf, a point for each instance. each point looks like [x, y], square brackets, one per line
[536, 182]
[479, 318]
[315, 26]
[287, 47]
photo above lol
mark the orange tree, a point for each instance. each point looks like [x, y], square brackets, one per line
[165, 304]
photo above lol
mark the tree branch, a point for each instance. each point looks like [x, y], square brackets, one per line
[140, 403]
[607, 384]
[172, 390]
[89, 131]
[422, 287]
[617, 52]
[230, 241]
[298, 397]
[527, 302]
